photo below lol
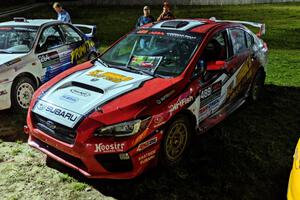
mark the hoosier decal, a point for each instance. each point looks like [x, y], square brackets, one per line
[109, 148]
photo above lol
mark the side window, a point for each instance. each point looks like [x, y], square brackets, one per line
[71, 36]
[238, 40]
[49, 39]
[250, 40]
[217, 48]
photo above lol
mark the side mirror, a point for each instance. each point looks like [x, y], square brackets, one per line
[216, 65]
[199, 69]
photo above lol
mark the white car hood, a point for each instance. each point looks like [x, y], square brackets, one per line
[6, 57]
[75, 96]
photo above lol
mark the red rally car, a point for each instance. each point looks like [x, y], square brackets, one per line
[141, 101]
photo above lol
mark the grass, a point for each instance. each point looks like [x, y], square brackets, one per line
[247, 156]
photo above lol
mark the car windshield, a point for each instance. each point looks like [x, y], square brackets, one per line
[17, 39]
[155, 52]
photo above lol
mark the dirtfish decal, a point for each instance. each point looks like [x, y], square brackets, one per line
[81, 51]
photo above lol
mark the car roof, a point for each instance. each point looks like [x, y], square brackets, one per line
[28, 22]
[190, 25]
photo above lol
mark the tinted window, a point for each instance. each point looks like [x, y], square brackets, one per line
[216, 48]
[238, 40]
[250, 40]
[49, 39]
[70, 34]
[17, 39]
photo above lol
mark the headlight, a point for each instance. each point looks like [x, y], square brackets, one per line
[123, 129]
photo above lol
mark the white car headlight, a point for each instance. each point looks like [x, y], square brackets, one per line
[123, 129]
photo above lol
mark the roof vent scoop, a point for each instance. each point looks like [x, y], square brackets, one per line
[174, 24]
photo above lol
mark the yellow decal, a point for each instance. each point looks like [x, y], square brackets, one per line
[110, 76]
[81, 51]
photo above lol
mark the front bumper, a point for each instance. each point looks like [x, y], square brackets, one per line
[99, 157]
[5, 90]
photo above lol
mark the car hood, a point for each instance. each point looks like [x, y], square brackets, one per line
[75, 96]
[6, 57]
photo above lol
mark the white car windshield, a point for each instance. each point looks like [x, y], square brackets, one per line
[17, 39]
[156, 52]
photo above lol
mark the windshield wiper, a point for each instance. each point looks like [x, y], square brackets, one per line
[4, 51]
[140, 71]
[101, 61]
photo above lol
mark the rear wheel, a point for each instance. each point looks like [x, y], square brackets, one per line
[21, 93]
[257, 86]
[176, 141]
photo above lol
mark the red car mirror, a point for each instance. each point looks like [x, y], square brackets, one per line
[215, 65]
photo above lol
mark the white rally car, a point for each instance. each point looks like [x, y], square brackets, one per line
[34, 51]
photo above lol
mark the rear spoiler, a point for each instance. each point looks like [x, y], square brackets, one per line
[262, 27]
[90, 28]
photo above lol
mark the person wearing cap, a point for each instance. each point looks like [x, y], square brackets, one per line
[62, 15]
[166, 14]
[146, 18]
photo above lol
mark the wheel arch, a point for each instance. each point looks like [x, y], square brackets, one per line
[28, 75]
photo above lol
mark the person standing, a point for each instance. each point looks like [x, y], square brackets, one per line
[146, 18]
[166, 14]
[62, 15]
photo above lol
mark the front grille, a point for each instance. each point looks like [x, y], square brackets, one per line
[70, 159]
[56, 130]
[112, 163]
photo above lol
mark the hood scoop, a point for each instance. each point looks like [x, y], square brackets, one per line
[81, 85]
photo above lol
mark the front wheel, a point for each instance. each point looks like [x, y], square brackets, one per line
[21, 93]
[176, 142]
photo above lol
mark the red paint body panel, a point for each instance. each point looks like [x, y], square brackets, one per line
[159, 99]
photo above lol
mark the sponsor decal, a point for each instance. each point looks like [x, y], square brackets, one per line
[177, 35]
[3, 92]
[147, 157]
[110, 76]
[143, 31]
[81, 51]
[57, 111]
[147, 144]
[69, 98]
[80, 93]
[109, 148]
[49, 59]
[210, 93]
[166, 96]
[159, 120]
[180, 103]
[14, 61]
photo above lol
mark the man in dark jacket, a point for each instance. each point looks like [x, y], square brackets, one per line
[146, 18]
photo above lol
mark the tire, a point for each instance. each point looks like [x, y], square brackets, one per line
[256, 90]
[175, 143]
[21, 94]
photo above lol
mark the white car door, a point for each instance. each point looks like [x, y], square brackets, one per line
[52, 53]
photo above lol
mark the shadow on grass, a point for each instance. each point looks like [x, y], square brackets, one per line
[247, 156]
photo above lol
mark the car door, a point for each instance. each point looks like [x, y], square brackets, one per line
[239, 67]
[51, 52]
[80, 49]
[213, 83]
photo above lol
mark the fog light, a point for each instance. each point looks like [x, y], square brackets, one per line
[124, 156]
